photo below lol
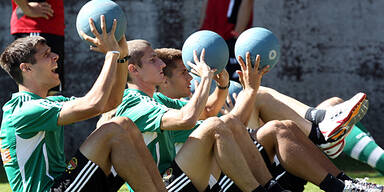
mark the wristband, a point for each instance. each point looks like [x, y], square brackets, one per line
[123, 60]
[116, 52]
[226, 87]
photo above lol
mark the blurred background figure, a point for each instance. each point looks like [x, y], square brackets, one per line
[225, 18]
[41, 18]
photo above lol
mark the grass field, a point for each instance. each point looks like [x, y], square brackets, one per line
[351, 167]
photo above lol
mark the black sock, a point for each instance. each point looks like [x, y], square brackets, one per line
[273, 186]
[259, 189]
[331, 184]
[315, 115]
[316, 136]
[342, 176]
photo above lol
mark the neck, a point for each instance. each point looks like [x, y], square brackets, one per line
[147, 89]
[35, 90]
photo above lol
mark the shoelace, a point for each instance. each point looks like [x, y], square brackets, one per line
[361, 184]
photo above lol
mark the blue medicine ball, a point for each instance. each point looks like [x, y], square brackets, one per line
[198, 79]
[234, 87]
[260, 41]
[216, 49]
[93, 9]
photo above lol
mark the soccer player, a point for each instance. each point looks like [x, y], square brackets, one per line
[158, 117]
[32, 139]
[270, 137]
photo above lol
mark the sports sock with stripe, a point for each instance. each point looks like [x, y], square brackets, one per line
[360, 146]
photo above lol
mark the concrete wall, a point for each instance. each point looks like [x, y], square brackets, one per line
[329, 48]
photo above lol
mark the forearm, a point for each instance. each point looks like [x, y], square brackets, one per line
[244, 105]
[101, 89]
[244, 15]
[23, 4]
[118, 87]
[187, 116]
[214, 104]
[93, 103]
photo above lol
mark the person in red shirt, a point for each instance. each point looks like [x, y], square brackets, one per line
[41, 18]
[224, 18]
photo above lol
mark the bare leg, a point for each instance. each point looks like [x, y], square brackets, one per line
[111, 144]
[272, 105]
[251, 153]
[214, 140]
[295, 151]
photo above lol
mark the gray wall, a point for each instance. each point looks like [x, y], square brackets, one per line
[329, 48]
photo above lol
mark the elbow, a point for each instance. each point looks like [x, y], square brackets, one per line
[188, 123]
[113, 104]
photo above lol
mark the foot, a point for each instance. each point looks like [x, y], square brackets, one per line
[339, 119]
[362, 185]
[334, 149]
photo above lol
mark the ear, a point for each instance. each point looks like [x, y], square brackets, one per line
[25, 67]
[132, 68]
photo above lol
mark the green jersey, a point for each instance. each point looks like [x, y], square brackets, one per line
[146, 112]
[31, 142]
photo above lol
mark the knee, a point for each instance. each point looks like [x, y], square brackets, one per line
[121, 127]
[217, 127]
[277, 127]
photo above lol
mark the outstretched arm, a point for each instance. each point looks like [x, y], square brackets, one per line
[187, 116]
[217, 99]
[250, 78]
[96, 101]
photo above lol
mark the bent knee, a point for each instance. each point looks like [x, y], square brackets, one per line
[216, 126]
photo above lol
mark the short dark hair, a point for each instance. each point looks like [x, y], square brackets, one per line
[136, 52]
[169, 56]
[21, 50]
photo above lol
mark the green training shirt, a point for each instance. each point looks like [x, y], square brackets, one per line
[31, 142]
[146, 113]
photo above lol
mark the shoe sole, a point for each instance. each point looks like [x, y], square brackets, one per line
[354, 116]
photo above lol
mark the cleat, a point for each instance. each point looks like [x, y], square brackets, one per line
[362, 185]
[334, 149]
[339, 119]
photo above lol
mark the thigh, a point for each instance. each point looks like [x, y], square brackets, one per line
[195, 157]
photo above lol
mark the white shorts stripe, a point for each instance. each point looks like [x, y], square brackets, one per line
[85, 181]
[375, 156]
[182, 180]
[83, 173]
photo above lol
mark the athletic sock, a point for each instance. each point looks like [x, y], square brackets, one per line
[316, 136]
[360, 146]
[259, 189]
[315, 115]
[273, 186]
[331, 184]
[343, 177]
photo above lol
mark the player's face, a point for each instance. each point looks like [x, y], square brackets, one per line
[180, 82]
[44, 70]
[151, 70]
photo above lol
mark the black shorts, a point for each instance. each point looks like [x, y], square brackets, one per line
[285, 179]
[82, 174]
[176, 180]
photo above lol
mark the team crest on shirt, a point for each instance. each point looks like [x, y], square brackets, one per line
[168, 177]
[72, 164]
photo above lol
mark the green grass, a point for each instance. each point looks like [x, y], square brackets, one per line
[352, 167]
